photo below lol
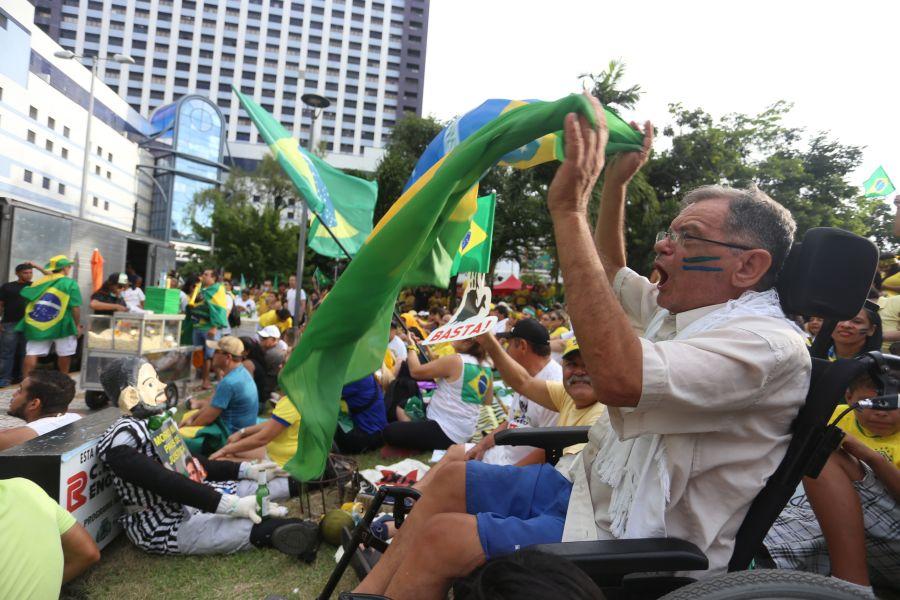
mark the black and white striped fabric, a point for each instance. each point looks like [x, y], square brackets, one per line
[150, 521]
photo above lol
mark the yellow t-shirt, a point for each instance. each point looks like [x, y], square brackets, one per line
[569, 414]
[887, 446]
[442, 349]
[554, 335]
[284, 446]
[889, 311]
[893, 281]
[271, 318]
[31, 553]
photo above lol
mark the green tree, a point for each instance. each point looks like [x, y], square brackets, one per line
[409, 138]
[607, 87]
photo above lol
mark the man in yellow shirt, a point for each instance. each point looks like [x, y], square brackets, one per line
[275, 439]
[281, 318]
[43, 546]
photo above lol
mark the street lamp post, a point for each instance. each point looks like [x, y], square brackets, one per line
[317, 104]
[123, 59]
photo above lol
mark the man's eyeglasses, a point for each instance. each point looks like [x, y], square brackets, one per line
[679, 237]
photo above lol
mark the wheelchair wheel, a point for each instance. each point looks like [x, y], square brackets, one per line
[767, 584]
[171, 395]
[95, 399]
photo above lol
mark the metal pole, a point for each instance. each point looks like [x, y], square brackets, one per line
[301, 245]
[87, 142]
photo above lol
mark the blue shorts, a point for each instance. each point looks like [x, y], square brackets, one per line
[516, 507]
[199, 339]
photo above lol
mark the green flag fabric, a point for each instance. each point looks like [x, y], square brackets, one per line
[208, 307]
[878, 185]
[347, 335]
[474, 254]
[344, 203]
[321, 278]
[48, 314]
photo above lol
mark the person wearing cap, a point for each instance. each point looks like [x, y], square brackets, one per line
[235, 399]
[53, 315]
[263, 358]
[108, 299]
[529, 347]
[12, 310]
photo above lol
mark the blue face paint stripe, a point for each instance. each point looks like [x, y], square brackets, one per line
[698, 259]
[699, 268]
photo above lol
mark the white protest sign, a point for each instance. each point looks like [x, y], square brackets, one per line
[472, 318]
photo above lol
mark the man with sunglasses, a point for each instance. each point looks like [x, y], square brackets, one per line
[701, 375]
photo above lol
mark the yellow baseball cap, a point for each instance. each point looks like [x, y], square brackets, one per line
[228, 344]
[58, 262]
[571, 346]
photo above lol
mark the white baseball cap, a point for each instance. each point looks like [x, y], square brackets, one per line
[269, 331]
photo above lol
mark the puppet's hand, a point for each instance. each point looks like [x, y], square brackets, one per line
[251, 471]
[234, 506]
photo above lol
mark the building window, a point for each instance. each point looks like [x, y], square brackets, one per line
[51, 122]
[28, 176]
[32, 112]
[31, 136]
[64, 152]
[108, 175]
[109, 156]
[99, 151]
[66, 131]
[96, 201]
[106, 205]
[96, 169]
[46, 183]
[61, 188]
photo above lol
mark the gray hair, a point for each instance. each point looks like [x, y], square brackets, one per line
[755, 219]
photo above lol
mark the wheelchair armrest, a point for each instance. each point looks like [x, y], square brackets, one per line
[542, 437]
[607, 561]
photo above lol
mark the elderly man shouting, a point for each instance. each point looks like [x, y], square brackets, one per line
[699, 405]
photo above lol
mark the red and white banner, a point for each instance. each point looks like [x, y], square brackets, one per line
[472, 318]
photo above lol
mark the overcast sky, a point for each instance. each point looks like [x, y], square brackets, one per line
[837, 62]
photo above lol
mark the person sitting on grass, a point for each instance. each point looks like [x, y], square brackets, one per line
[209, 507]
[42, 401]
[280, 318]
[464, 382]
[847, 524]
[43, 545]
[235, 398]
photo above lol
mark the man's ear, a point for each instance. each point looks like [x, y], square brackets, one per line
[128, 399]
[754, 264]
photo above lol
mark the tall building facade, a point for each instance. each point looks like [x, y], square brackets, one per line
[366, 56]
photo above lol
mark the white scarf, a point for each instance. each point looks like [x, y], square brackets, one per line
[637, 469]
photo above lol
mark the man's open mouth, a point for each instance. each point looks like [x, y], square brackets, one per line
[663, 275]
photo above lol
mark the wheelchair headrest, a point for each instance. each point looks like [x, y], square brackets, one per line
[828, 274]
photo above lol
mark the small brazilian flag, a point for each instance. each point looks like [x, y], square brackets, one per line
[321, 278]
[474, 254]
[878, 185]
[476, 381]
[48, 315]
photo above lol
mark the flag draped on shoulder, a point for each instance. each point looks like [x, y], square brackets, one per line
[347, 335]
[209, 306]
[344, 203]
[474, 254]
[878, 184]
[48, 314]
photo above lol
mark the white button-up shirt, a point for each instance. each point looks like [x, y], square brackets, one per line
[723, 401]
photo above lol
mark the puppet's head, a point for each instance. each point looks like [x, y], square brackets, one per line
[133, 384]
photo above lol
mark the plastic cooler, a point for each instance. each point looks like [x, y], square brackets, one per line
[162, 301]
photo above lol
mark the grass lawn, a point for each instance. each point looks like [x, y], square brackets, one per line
[126, 573]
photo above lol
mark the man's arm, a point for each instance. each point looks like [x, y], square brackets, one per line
[79, 552]
[266, 432]
[611, 350]
[76, 314]
[15, 436]
[609, 235]
[884, 469]
[204, 416]
[514, 375]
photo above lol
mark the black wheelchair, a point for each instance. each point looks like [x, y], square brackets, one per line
[829, 274]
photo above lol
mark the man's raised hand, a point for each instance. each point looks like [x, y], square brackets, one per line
[570, 191]
[622, 167]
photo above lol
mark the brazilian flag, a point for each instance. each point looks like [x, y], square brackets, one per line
[878, 185]
[48, 315]
[476, 382]
[474, 254]
[209, 307]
